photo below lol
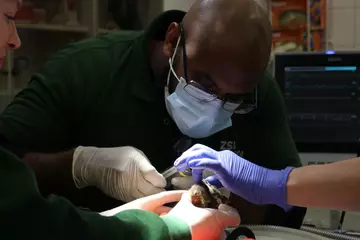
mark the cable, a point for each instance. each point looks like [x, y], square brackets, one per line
[240, 231]
[331, 235]
[343, 213]
[247, 231]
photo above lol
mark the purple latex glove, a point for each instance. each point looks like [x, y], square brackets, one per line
[248, 180]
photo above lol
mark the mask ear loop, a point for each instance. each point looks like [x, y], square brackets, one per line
[183, 44]
[171, 62]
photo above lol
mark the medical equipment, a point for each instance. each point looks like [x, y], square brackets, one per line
[321, 92]
[172, 172]
[267, 232]
[328, 234]
[263, 232]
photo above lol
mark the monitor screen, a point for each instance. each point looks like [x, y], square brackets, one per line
[322, 97]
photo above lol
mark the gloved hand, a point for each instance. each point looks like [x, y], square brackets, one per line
[185, 183]
[154, 203]
[123, 173]
[205, 223]
[250, 181]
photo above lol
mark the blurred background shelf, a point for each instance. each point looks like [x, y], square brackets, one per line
[46, 26]
[53, 27]
[298, 25]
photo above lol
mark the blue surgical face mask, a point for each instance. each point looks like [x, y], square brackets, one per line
[195, 117]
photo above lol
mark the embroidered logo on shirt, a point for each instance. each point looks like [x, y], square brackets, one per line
[232, 146]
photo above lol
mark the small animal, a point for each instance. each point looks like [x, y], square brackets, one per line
[205, 195]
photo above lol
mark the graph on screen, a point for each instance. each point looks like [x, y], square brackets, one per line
[323, 103]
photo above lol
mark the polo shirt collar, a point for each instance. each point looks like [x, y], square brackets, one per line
[145, 86]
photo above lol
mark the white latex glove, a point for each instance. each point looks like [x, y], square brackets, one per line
[154, 203]
[185, 183]
[205, 223]
[123, 173]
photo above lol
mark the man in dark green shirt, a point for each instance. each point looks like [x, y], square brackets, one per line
[108, 92]
[24, 213]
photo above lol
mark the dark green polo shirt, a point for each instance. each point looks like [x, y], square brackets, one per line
[102, 92]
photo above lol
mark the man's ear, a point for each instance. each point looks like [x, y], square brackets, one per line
[171, 37]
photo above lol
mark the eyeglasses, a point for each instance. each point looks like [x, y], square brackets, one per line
[246, 103]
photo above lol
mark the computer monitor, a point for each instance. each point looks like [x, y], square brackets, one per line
[322, 97]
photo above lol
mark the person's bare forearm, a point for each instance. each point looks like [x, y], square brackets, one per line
[53, 171]
[333, 186]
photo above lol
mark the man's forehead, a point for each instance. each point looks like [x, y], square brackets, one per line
[223, 57]
[232, 72]
[235, 79]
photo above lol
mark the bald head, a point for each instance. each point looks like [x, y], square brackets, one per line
[230, 40]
